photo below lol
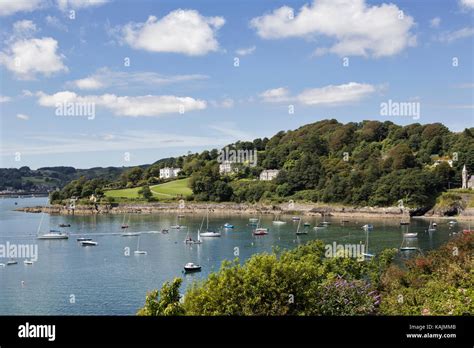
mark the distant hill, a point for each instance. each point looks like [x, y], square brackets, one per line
[49, 178]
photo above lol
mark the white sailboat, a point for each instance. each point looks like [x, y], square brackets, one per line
[209, 233]
[298, 229]
[367, 254]
[432, 227]
[138, 251]
[279, 222]
[52, 234]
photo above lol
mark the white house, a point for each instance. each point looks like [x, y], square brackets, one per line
[225, 167]
[269, 174]
[467, 181]
[167, 173]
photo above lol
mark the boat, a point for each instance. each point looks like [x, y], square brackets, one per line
[164, 230]
[316, 228]
[435, 224]
[130, 234]
[404, 223]
[189, 240]
[253, 220]
[83, 239]
[191, 267]
[452, 222]
[86, 243]
[12, 262]
[209, 233]
[279, 222]
[125, 225]
[296, 218]
[180, 216]
[368, 227]
[28, 262]
[306, 224]
[260, 231]
[410, 235]
[2, 265]
[138, 251]
[408, 248]
[227, 225]
[53, 234]
[175, 227]
[64, 225]
[298, 232]
[367, 255]
[432, 227]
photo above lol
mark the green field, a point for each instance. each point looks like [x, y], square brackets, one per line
[164, 191]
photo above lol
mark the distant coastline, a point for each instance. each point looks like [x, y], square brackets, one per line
[227, 208]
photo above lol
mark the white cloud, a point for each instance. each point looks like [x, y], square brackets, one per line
[4, 99]
[180, 31]
[65, 5]
[326, 96]
[467, 4]
[24, 28]
[334, 95]
[9, 7]
[55, 23]
[148, 105]
[23, 117]
[28, 57]
[451, 36]
[435, 22]
[88, 83]
[245, 51]
[227, 103]
[105, 77]
[357, 28]
[275, 95]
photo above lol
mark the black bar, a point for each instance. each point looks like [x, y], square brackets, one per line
[134, 331]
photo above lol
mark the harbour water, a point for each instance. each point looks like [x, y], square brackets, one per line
[68, 279]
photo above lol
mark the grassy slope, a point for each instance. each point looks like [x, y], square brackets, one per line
[162, 191]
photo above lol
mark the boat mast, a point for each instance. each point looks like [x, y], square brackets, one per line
[41, 221]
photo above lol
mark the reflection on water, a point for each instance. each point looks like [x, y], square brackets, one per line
[70, 279]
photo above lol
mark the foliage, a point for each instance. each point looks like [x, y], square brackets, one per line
[164, 302]
[440, 283]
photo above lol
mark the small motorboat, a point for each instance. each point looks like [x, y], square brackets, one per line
[64, 225]
[325, 223]
[409, 248]
[316, 228]
[191, 267]
[175, 227]
[404, 223]
[306, 224]
[302, 232]
[54, 234]
[279, 222]
[253, 220]
[432, 227]
[2, 265]
[164, 230]
[410, 235]
[12, 262]
[130, 234]
[124, 226]
[87, 243]
[140, 252]
[28, 262]
[296, 218]
[435, 224]
[368, 227]
[227, 225]
[452, 223]
[260, 231]
[83, 239]
[210, 234]
[368, 255]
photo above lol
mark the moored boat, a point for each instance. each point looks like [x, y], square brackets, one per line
[86, 243]
[191, 267]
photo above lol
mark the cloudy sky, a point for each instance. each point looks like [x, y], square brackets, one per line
[122, 82]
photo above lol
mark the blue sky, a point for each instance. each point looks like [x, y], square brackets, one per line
[182, 91]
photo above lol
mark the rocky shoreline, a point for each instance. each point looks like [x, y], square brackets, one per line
[304, 209]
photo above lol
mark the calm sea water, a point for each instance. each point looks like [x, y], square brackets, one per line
[104, 281]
